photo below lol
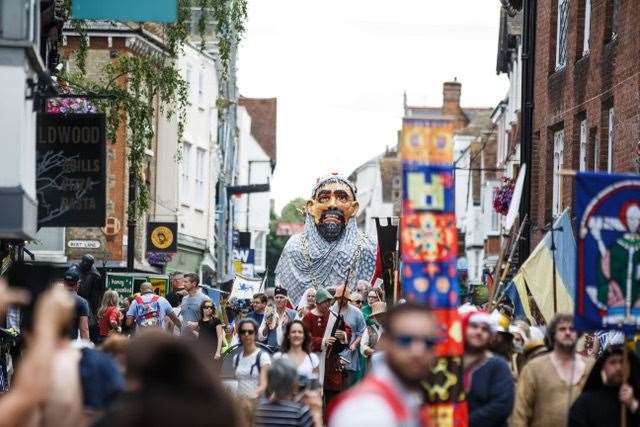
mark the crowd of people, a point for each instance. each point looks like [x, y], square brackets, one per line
[336, 357]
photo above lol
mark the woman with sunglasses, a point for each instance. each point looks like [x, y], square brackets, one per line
[251, 363]
[210, 330]
[296, 346]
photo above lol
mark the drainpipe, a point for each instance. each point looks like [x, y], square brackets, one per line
[526, 136]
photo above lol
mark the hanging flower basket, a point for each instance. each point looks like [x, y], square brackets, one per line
[159, 258]
[70, 106]
[502, 196]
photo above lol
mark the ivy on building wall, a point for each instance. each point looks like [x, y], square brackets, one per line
[133, 90]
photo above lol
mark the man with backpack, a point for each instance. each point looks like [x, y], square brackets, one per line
[149, 310]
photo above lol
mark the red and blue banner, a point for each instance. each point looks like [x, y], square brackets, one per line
[607, 294]
[428, 247]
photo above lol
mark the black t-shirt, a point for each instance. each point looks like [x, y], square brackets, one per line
[208, 334]
[82, 309]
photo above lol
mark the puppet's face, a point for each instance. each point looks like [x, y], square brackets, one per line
[331, 207]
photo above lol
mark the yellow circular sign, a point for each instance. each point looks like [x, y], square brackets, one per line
[162, 237]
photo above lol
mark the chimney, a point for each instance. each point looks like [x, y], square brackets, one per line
[451, 98]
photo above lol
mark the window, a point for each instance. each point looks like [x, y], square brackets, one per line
[561, 33]
[259, 248]
[48, 240]
[185, 178]
[201, 88]
[558, 157]
[495, 222]
[189, 81]
[583, 146]
[596, 153]
[610, 140]
[201, 163]
[587, 27]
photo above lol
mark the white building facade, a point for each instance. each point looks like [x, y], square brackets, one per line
[198, 168]
[255, 166]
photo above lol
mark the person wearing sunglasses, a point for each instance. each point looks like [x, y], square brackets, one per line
[391, 393]
[251, 363]
[210, 330]
[488, 381]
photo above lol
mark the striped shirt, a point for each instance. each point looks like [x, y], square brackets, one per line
[282, 413]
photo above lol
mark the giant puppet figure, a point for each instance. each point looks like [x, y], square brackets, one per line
[330, 248]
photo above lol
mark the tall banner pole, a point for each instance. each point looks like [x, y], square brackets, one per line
[428, 247]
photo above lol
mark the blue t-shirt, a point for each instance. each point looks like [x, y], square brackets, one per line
[190, 310]
[164, 305]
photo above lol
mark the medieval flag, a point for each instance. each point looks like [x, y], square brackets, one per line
[607, 294]
[428, 242]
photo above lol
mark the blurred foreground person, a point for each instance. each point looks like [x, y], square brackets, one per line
[285, 404]
[549, 384]
[169, 384]
[391, 393]
[605, 391]
[487, 379]
[82, 381]
[30, 385]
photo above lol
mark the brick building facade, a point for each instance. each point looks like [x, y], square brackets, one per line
[586, 97]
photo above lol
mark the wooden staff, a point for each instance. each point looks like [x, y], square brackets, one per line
[625, 372]
[508, 266]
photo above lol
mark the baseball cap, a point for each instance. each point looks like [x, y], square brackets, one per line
[72, 274]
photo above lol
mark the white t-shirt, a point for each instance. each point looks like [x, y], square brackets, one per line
[308, 365]
[248, 378]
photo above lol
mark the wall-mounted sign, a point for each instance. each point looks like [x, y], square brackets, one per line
[71, 170]
[126, 284]
[84, 244]
[125, 10]
[162, 237]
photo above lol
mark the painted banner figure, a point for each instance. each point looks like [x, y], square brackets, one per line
[608, 215]
[330, 247]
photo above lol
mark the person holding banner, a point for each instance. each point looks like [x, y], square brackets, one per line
[275, 321]
[606, 389]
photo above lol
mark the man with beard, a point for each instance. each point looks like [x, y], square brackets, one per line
[549, 384]
[605, 390]
[391, 393]
[331, 249]
[487, 378]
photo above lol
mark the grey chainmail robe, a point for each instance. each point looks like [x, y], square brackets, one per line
[308, 260]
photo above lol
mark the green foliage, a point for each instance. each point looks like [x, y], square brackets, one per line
[275, 243]
[130, 87]
[292, 212]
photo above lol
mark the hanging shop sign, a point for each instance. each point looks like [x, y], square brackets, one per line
[162, 237]
[71, 170]
[125, 10]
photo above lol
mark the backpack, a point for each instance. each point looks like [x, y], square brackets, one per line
[255, 365]
[148, 313]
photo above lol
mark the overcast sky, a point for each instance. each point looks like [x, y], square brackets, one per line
[339, 69]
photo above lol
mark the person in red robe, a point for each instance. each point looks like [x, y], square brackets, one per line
[319, 322]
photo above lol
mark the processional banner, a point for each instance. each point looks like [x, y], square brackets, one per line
[607, 292]
[428, 241]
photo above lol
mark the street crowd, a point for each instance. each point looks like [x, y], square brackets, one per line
[336, 357]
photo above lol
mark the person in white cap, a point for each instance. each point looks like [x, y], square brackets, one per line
[487, 379]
